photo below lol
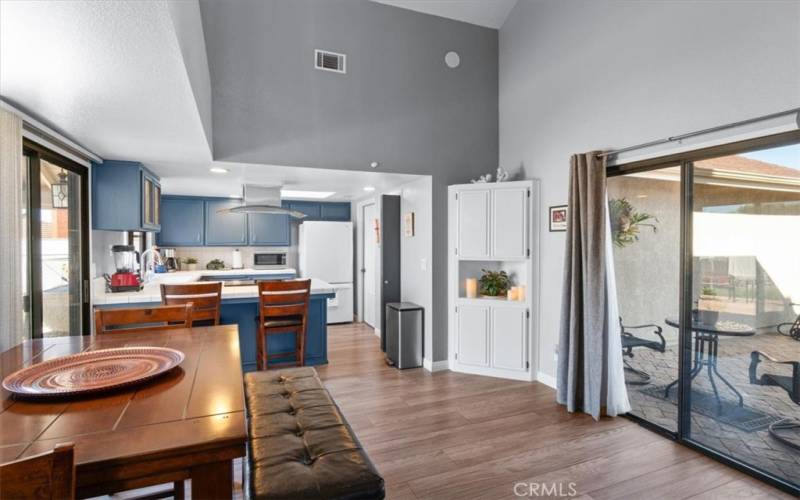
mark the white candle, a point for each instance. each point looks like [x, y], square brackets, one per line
[512, 293]
[472, 288]
[521, 293]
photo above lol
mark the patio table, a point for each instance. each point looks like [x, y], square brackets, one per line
[706, 348]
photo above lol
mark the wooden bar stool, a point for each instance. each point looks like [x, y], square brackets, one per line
[283, 308]
[206, 297]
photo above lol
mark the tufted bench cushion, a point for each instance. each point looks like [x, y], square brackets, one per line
[300, 444]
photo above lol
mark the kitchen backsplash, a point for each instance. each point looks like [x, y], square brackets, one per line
[206, 254]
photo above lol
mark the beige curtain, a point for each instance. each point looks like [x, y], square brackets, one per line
[590, 374]
[12, 237]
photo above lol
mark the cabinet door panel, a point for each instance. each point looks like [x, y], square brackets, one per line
[509, 223]
[225, 228]
[269, 229]
[473, 223]
[310, 208]
[336, 211]
[509, 327]
[181, 222]
[473, 335]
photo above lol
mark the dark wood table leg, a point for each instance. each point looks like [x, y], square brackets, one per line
[212, 481]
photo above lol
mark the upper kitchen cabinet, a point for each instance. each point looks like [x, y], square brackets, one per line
[182, 221]
[336, 211]
[312, 209]
[316, 210]
[271, 230]
[125, 197]
[224, 229]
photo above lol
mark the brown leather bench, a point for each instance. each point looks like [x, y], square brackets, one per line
[300, 445]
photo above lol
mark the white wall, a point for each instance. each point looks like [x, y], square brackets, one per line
[577, 75]
[416, 283]
[416, 277]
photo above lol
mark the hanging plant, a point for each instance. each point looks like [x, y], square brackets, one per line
[494, 283]
[626, 222]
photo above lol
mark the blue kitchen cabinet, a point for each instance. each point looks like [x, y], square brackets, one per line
[312, 209]
[125, 197]
[182, 222]
[224, 229]
[269, 230]
[334, 211]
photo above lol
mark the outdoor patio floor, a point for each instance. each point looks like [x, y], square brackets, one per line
[758, 447]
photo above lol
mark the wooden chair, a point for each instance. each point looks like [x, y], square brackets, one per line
[283, 308]
[49, 475]
[149, 319]
[207, 298]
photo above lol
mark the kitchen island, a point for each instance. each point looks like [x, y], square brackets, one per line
[239, 306]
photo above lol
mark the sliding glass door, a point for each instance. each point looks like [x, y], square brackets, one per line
[57, 295]
[707, 265]
[745, 372]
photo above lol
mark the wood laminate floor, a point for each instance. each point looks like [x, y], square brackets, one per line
[449, 435]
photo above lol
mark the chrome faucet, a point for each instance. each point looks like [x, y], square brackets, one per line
[147, 269]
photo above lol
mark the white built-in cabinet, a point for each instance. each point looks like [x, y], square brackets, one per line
[493, 226]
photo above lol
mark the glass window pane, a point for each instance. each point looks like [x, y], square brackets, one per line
[60, 216]
[746, 299]
[645, 215]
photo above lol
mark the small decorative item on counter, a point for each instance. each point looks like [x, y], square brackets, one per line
[521, 293]
[472, 288]
[494, 283]
[237, 259]
[482, 179]
[502, 175]
[513, 293]
[191, 263]
[216, 265]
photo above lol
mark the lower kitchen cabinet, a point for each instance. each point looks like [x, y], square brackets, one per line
[182, 222]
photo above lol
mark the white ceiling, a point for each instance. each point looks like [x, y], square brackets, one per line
[109, 75]
[194, 179]
[488, 13]
[124, 79]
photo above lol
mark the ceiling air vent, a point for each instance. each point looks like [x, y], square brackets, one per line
[329, 61]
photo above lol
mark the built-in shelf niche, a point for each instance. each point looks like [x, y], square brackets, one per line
[517, 271]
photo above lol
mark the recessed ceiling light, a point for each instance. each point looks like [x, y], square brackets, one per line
[218, 170]
[234, 196]
[374, 164]
[369, 189]
[317, 195]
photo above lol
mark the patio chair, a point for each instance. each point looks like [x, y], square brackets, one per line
[790, 329]
[791, 384]
[631, 342]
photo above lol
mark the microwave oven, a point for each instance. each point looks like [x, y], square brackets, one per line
[269, 260]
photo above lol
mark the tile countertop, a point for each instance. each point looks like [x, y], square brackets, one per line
[152, 290]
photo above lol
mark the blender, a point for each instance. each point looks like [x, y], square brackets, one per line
[125, 278]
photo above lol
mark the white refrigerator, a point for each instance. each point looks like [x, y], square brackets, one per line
[326, 253]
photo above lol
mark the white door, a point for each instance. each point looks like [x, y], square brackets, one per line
[473, 223]
[368, 266]
[473, 335]
[509, 327]
[509, 223]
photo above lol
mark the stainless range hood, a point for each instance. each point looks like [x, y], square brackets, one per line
[261, 200]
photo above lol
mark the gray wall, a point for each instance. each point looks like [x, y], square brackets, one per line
[576, 75]
[398, 103]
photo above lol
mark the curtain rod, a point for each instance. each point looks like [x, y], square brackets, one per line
[701, 132]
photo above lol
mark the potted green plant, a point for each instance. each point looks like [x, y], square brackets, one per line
[494, 283]
[626, 222]
[191, 263]
[216, 265]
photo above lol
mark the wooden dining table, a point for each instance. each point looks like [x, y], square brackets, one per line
[188, 423]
